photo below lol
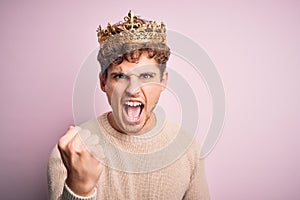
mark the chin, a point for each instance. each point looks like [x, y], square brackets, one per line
[133, 128]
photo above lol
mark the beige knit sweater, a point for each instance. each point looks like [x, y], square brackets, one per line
[181, 178]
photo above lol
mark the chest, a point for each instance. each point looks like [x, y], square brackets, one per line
[168, 183]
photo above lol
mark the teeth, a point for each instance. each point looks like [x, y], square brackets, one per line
[130, 103]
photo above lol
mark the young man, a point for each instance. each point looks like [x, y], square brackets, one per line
[107, 158]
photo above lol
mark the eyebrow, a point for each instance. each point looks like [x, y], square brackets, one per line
[148, 73]
[117, 73]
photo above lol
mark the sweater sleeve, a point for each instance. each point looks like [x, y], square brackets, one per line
[68, 194]
[198, 188]
[57, 174]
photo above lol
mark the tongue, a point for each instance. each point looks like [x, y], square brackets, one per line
[133, 112]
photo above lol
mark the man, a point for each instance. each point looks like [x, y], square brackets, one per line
[107, 157]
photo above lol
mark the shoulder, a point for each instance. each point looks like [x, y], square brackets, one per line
[183, 143]
[186, 139]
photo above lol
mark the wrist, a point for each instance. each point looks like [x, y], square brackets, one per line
[80, 188]
[68, 194]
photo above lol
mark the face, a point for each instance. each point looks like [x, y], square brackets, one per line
[133, 90]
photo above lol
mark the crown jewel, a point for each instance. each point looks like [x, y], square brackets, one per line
[133, 30]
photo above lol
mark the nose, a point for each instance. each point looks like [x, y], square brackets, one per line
[134, 86]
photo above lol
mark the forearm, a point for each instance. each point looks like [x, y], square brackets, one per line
[56, 174]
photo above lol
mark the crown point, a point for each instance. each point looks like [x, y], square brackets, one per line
[98, 29]
[130, 13]
[153, 24]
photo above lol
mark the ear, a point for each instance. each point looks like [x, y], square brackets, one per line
[164, 80]
[102, 82]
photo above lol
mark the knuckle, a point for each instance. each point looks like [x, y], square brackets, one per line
[69, 128]
[73, 147]
[70, 146]
[61, 143]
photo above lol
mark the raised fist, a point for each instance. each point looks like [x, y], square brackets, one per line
[83, 169]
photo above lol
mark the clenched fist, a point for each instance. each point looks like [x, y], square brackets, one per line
[83, 169]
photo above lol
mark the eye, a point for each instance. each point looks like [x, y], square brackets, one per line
[146, 76]
[120, 76]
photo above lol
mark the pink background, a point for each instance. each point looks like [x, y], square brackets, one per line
[255, 47]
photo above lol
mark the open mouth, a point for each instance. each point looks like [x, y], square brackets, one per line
[133, 111]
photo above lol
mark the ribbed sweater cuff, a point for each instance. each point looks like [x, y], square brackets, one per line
[68, 194]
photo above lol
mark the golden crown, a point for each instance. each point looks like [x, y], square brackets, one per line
[133, 30]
